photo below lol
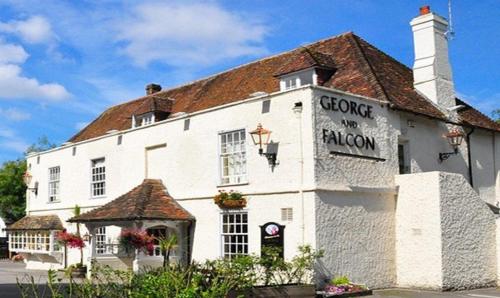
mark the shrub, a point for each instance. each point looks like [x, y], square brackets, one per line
[340, 281]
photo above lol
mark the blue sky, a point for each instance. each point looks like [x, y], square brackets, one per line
[64, 62]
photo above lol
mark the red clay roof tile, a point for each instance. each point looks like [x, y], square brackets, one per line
[149, 200]
[360, 69]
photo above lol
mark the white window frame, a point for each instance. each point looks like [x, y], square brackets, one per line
[54, 184]
[98, 178]
[242, 236]
[37, 241]
[100, 241]
[147, 119]
[227, 151]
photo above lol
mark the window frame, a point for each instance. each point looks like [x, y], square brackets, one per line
[56, 183]
[100, 241]
[92, 182]
[245, 245]
[36, 241]
[232, 179]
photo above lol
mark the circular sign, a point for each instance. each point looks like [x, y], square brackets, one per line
[272, 229]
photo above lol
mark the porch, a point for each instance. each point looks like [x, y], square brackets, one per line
[147, 207]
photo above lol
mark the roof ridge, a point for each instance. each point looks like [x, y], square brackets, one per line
[237, 67]
[372, 73]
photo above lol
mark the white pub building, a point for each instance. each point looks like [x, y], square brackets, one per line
[336, 143]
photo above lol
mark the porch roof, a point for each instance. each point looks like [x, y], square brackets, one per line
[38, 222]
[147, 201]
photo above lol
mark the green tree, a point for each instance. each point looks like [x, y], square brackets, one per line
[12, 190]
[167, 244]
[496, 115]
[42, 144]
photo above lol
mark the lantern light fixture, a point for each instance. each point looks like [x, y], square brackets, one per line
[455, 138]
[86, 237]
[261, 136]
[27, 178]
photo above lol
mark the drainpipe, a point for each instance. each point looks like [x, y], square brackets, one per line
[469, 157]
[297, 109]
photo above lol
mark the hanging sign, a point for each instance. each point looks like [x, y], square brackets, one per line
[272, 235]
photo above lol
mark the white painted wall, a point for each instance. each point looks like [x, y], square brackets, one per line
[445, 234]
[418, 231]
[2, 228]
[189, 168]
[485, 163]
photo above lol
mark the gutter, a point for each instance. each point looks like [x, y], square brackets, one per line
[469, 157]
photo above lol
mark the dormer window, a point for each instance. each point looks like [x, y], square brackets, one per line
[143, 120]
[306, 67]
[291, 83]
[151, 109]
[297, 79]
[147, 119]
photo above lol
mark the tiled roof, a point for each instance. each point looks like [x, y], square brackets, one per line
[39, 222]
[473, 117]
[360, 68]
[149, 200]
[154, 104]
[304, 59]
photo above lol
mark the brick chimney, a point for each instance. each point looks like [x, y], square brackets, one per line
[152, 88]
[431, 70]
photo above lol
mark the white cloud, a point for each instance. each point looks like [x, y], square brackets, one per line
[14, 85]
[15, 145]
[10, 53]
[9, 140]
[36, 29]
[188, 34]
[14, 114]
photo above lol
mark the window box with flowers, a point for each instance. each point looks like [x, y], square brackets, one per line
[230, 200]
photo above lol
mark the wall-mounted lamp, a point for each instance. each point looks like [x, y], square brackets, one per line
[86, 237]
[27, 181]
[454, 138]
[261, 136]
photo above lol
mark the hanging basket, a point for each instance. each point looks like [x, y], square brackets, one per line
[230, 204]
[231, 200]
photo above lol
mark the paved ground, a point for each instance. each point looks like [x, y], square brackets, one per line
[9, 272]
[399, 293]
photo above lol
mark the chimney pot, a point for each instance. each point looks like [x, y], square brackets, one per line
[425, 10]
[152, 88]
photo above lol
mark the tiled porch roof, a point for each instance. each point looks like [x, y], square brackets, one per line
[149, 200]
[41, 222]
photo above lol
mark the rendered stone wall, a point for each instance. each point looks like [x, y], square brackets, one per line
[356, 231]
[445, 234]
[468, 235]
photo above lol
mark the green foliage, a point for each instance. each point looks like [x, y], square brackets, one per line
[211, 279]
[167, 244]
[12, 190]
[42, 144]
[496, 115]
[340, 281]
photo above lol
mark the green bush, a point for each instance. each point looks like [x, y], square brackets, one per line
[209, 279]
[340, 281]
